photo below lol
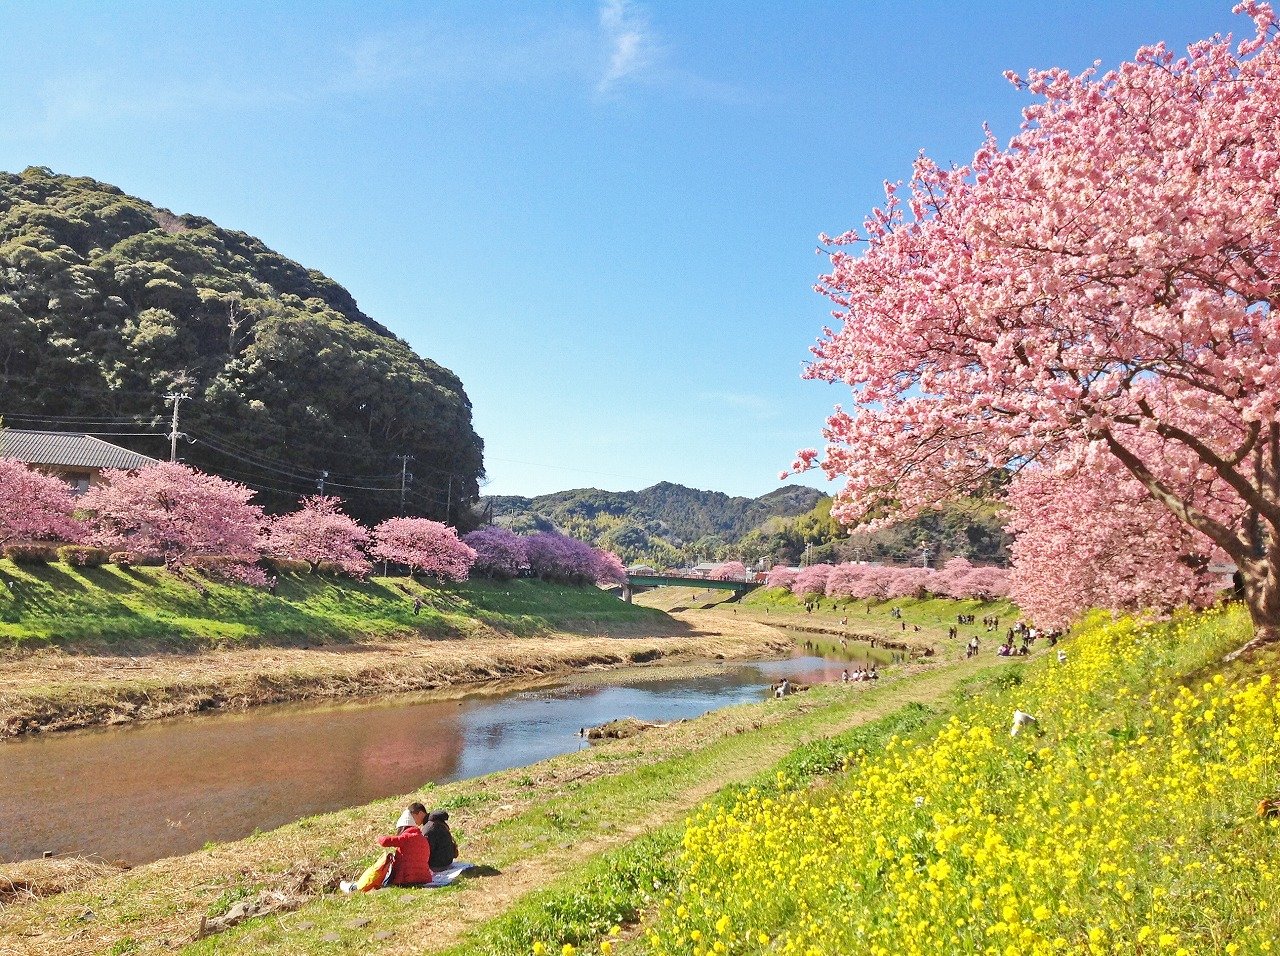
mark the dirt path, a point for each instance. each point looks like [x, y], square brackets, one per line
[52, 690]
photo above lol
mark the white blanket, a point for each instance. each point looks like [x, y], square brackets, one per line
[445, 877]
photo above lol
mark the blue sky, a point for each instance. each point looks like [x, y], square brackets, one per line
[602, 216]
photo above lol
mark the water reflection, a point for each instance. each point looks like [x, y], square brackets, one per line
[168, 787]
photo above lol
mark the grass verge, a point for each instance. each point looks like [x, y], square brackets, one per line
[111, 607]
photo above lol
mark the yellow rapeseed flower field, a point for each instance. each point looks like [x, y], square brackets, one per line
[1125, 821]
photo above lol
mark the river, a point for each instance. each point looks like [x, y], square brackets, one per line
[138, 793]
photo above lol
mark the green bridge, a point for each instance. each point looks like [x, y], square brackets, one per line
[642, 582]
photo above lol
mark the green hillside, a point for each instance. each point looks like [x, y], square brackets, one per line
[62, 605]
[670, 524]
[665, 524]
[110, 302]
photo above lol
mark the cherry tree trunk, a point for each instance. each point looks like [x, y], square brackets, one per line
[1261, 577]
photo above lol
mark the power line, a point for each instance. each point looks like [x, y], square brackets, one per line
[232, 449]
[128, 434]
[92, 420]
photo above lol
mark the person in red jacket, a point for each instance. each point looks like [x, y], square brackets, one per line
[413, 857]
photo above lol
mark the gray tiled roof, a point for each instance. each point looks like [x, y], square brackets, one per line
[69, 449]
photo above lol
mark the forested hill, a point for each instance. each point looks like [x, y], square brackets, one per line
[108, 303]
[666, 523]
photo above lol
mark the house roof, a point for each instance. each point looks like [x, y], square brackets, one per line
[67, 449]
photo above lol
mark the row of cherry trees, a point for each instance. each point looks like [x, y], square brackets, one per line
[187, 518]
[1092, 308]
[958, 578]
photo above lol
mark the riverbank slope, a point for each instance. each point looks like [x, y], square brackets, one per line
[529, 826]
[84, 647]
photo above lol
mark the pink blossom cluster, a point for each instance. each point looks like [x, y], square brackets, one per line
[424, 547]
[1099, 295]
[958, 578]
[558, 557]
[190, 518]
[500, 553]
[319, 531]
[780, 576]
[1093, 537]
[176, 512]
[34, 507]
[729, 571]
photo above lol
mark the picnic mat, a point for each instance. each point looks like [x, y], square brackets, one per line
[445, 877]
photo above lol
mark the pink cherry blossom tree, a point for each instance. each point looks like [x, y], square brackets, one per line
[844, 580]
[910, 582]
[1093, 537]
[177, 512]
[875, 581]
[557, 557]
[951, 578]
[424, 547]
[730, 571]
[811, 581]
[609, 568]
[500, 553]
[320, 531]
[34, 506]
[780, 576]
[1107, 283]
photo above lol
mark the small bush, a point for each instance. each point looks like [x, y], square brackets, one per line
[31, 553]
[82, 556]
[331, 568]
[285, 566]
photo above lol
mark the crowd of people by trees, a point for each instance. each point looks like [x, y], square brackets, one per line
[174, 515]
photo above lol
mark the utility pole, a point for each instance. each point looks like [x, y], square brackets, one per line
[405, 477]
[173, 428]
[320, 481]
[448, 501]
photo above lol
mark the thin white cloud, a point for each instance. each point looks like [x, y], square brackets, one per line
[631, 46]
[621, 51]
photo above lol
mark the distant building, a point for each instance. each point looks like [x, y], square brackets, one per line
[75, 457]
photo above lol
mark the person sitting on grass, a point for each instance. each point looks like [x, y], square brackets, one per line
[414, 816]
[413, 857]
[444, 849]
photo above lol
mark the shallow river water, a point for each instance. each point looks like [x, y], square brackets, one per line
[167, 787]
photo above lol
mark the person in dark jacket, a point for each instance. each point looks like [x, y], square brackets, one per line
[444, 850]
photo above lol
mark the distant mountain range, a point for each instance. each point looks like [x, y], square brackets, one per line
[668, 525]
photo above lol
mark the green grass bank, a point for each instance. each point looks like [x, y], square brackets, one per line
[63, 605]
